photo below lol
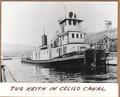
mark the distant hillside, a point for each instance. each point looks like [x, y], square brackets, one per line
[95, 37]
[16, 50]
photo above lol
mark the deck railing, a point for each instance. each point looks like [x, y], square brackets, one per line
[5, 69]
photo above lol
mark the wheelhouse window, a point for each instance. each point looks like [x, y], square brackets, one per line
[74, 22]
[72, 35]
[77, 36]
[81, 35]
[36, 55]
[69, 22]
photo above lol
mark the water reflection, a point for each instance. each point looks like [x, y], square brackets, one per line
[57, 75]
[24, 72]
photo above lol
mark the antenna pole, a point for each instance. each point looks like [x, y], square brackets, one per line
[65, 10]
[44, 29]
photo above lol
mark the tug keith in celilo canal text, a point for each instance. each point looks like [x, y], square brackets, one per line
[61, 88]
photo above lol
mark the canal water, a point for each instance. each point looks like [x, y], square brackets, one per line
[24, 72]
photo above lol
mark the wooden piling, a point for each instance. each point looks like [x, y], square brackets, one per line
[0, 74]
[84, 67]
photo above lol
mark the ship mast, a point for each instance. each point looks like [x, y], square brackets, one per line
[108, 28]
[108, 24]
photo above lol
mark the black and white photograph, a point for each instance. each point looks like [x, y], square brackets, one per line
[59, 42]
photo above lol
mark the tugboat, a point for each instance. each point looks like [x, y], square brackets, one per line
[68, 49]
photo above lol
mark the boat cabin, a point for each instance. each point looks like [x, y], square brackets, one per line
[69, 40]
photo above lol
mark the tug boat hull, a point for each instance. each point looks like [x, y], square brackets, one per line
[91, 61]
[73, 61]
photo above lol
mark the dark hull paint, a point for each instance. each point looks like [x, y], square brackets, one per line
[73, 61]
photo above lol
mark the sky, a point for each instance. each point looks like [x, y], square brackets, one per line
[23, 22]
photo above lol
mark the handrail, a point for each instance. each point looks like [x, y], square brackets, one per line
[4, 68]
[3, 74]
